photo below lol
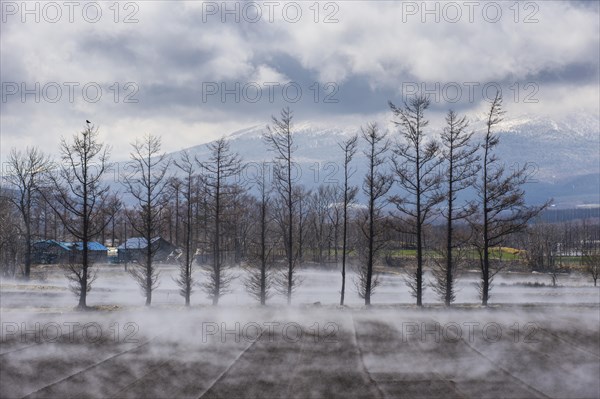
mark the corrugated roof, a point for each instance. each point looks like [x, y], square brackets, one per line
[92, 246]
[136, 243]
[64, 245]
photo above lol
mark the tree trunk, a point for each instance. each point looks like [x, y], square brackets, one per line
[217, 256]
[27, 251]
[419, 226]
[343, 291]
[371, 231]
[449, 276]
[290, 231]
[84, 282]
[486, 255]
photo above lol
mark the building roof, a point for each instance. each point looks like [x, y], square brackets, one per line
[67, 246]
[136, 243]
[64, 245]
[92, 246]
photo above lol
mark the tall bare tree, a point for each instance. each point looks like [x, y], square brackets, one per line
[501, 197]
[147, 184]
[222, 165]
[80, 199]
[349, 149]
[375, 186]
[260, 263]
[460, 172]
[25, 175]
[416, 165]
[185, 281]
[280, 139]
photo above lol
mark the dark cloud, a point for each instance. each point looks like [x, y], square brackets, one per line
[357, 64]
[575, 73]
[122, 47]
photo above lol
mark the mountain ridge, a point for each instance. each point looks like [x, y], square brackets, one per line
[559, 153]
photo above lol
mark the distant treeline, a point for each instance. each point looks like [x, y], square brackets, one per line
[564, 215]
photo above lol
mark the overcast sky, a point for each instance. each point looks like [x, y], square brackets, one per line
[192, 72]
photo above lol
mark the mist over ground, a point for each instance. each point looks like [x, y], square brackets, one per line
[532, 341]
[115, 287]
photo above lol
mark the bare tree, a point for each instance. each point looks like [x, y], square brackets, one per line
[260, 263]
[591, 260]
[301, 214]
[301, 198]
[185, 281]
[25, 175]
[542, 249]
[503, 210]
[460, 171]
[280, 139]
[80, 200]
[375, 186]
[416, 165]
[174, 194]
[221, 166]
[349, 149]
[9, 237]
[239, 222]
[114, 212]
[146, 184]
[590, 250]
[335, 213]
[319, 203]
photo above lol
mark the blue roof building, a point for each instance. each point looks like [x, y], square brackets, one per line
[53, 252]
[92, 246]
[135, 250]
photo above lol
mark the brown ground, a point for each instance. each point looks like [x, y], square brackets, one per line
[362, 354]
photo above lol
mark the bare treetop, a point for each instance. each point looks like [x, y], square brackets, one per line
[279, 137]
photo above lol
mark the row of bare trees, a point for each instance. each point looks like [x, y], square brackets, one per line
[429, 175]
[413, 182]
[548, 247]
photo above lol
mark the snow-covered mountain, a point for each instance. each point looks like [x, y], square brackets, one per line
[558, 149]
[563, 155]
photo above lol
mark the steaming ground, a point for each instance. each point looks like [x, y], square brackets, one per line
[532, 342]
[115, 287]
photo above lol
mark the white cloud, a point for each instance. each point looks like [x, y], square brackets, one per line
[172, 50]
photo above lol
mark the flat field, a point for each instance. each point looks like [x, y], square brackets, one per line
[531, 342]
